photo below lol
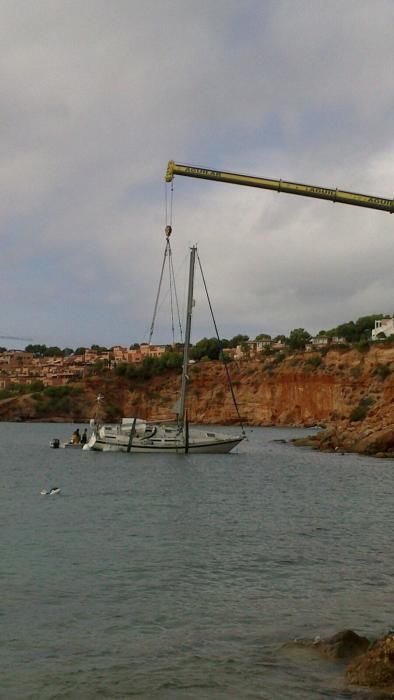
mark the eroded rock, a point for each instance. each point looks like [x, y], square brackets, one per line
[344, 645]
[375, 668]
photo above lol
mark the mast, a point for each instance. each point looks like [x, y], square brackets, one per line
[185, 378]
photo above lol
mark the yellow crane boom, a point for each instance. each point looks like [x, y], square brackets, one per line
[333, 195]
[14, 337]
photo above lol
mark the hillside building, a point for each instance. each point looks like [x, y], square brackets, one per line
[384, 328]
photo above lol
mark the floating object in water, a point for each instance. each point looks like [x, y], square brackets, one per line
[53, 492]
[55, 443]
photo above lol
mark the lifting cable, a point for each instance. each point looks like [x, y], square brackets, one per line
[221, 348]
[171, 296]
[172, 275]
[168, 207]
[159, 288]
[172, 285]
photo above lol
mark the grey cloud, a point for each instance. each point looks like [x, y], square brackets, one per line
[97, 96]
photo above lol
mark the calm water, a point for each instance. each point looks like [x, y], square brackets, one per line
[162, 577]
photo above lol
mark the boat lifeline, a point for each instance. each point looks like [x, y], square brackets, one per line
[136, 435]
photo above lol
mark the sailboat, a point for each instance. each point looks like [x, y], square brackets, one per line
[137, 435]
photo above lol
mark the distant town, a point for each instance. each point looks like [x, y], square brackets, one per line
[56, 367]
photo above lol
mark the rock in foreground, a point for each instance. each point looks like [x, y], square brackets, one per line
[375, 668]
[343, 645]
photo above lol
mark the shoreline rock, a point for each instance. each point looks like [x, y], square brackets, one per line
[375, 668]
[367, 664]
[375, 443]
[342, 646]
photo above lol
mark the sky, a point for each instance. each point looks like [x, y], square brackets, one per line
[98, 95]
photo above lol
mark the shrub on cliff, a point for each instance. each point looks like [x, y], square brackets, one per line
[362, 345]
[65, 400]
[149, 367]
[207, 347]
[361, 411]
[57, 392]
[314, 361]
[21, 389]
[280, 357]
[382, 371]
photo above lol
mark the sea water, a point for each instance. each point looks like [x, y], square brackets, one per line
[183, 577]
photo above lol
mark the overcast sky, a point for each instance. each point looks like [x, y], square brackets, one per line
[97, 95]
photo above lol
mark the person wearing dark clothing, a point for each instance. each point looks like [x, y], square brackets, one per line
[76, 438]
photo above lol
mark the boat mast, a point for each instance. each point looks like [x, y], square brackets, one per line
[185, 378]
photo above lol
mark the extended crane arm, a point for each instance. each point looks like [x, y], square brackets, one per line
[13, 337]
[334, 195]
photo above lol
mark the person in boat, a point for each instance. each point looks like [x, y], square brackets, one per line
[84, 437]
[75, 437]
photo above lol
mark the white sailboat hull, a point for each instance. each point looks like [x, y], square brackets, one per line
[160, 439]
[212, 448]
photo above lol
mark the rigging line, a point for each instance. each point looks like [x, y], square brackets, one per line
[158, 292]
[171, 294]
[168, 206]
[171, 201]
[176, 296]
[221, 348]
[161, 302]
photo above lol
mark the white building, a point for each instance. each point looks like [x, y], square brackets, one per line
[383, 327]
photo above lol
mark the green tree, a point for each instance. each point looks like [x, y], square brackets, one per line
[365, 324]
[354, 331]
[98, 367]
[245, 349]
[263, 336]
[172, 360]
[238, 340]
[298, 339]
[53, 352]
[206, 347]
[281, 339]
[36, 385]
[98, 348]
[121, 369]
[37, 350]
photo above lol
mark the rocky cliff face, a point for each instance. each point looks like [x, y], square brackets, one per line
[350, 393]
